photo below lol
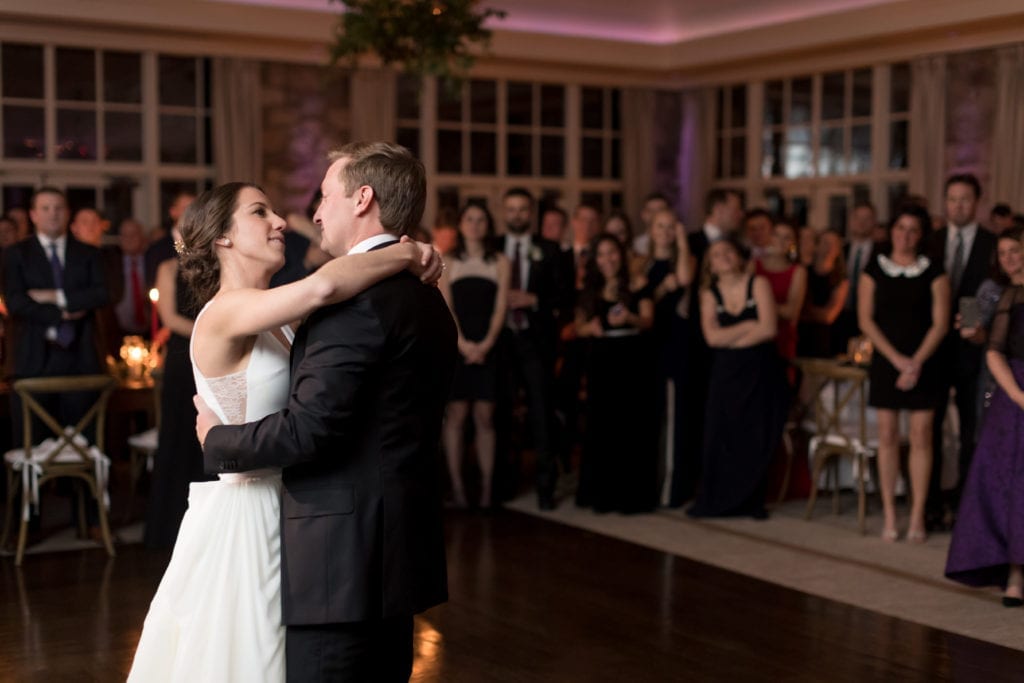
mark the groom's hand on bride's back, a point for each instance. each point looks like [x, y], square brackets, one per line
[205, 419]
[430, 265]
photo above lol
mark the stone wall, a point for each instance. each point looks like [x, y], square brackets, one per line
[305, 115]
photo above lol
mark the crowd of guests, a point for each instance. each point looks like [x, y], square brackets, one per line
[660, 358]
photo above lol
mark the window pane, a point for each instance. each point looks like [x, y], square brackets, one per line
[831, 152]
[771, 155]
[592, 105]
[800, 101]
[80, 197]
[837, 211]
[178, 81]
[552, 106]
[520, 154]
[449, 104]
[123, 133]
[833, 95]
[896, 193]
[614, 93]
[483, 101]
[898, 144]
[798, 152]
[861, 194]
[207, 140]
[720, 158]
[449, 151]
[862, 89]
[592, 165]
[720, 109]
[520, 104]
[122, 77]
[16, 196]
[552, 155]
[408, 97]
[860, 149]
[76, 134]
[410, 139]
[76, 75]
[23, 133]
[899, 88]
[178, 139]
[616, 172]
[22, 70]
[738, 157]
[483, 153]
[739, 106]
[773, 103]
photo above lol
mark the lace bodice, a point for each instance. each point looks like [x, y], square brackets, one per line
[255, 392]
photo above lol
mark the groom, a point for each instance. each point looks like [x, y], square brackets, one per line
[361, 542]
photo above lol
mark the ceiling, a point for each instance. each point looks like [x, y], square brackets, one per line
[655, 22]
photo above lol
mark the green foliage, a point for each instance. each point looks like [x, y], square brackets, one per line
[424, 37]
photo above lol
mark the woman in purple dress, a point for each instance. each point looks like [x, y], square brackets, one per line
[988, 541]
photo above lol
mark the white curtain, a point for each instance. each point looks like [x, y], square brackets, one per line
[237, 120]
[1008, 161]
[696, 154]
[928, 129]
[637, 149]
[373, 105]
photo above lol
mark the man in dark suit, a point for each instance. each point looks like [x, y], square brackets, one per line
[537, 302]
[724, 211]
[965, 249]
[858, 251]
[361, 540]
[53, 285]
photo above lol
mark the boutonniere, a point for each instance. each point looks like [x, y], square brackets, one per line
[536, 254]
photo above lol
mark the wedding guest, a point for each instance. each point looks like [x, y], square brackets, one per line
[806, 245]
[757, 232]
[788, 280]
[747, 400]
[1008, 262]
[857, 253]
[8, 232]
[654, 203]
[903, 308]
[476, 289]
[554, 223]
[618, 225]
[1000, 218]
[987, 547]
[670, 274]
[618, 470]
[826, 294]
[21, 218]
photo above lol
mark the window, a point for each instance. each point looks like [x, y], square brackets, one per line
[492, 134]
[88, 121]
[826, 140]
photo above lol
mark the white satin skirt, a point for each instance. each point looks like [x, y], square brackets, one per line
[216, 615]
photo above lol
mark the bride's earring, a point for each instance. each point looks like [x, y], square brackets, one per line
[224, 242]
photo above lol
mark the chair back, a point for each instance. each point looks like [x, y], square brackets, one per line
[30, 388]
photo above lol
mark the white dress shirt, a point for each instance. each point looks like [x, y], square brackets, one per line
[371, 242]
[525, 242]
[968, 232]
[62, 301]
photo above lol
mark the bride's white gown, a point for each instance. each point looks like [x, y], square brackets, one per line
[217, 613]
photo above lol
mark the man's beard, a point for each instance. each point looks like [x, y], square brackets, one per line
[517, 228]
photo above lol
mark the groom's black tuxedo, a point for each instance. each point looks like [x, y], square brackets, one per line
[361, 508]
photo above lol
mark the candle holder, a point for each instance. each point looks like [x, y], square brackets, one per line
[136, 358]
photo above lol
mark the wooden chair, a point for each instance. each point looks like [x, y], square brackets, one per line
[66, 454]
[142, 447]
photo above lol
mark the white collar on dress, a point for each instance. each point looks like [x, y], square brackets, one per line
[893, 269]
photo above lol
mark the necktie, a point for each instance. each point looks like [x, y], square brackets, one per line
[65, 330]
[518, 317]
[956, 272]
[138, 303]
[855, 276]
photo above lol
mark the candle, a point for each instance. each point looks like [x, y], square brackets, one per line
[154, 296]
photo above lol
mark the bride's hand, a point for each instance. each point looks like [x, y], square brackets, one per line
[429, 266]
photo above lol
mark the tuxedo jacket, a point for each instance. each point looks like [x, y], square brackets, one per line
[361, 535]
[26, 267]
[966, 357]
[548, 280]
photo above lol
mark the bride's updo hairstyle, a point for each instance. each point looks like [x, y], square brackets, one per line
[206, 219]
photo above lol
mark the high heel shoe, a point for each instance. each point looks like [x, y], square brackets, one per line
[890, 535]
[1009, 601]
[917, 536]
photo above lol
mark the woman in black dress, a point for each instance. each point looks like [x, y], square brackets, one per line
[669, 275]
[903, 308]
[178, 460]
[475, 286]
[748, 394]
[619, 466]
[827, 286]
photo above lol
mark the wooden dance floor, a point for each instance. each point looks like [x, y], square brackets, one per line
[531, 601]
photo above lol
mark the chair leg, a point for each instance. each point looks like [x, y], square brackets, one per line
[861, 495]
[19, 554]
[83, 528]
[819, 462]
[834, 469]
[12, 482]
[787, 446]
[133, 473]
[108, 541]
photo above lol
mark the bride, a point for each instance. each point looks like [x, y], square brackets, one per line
[216, 615]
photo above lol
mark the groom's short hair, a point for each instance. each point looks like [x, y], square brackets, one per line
[397, 177]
